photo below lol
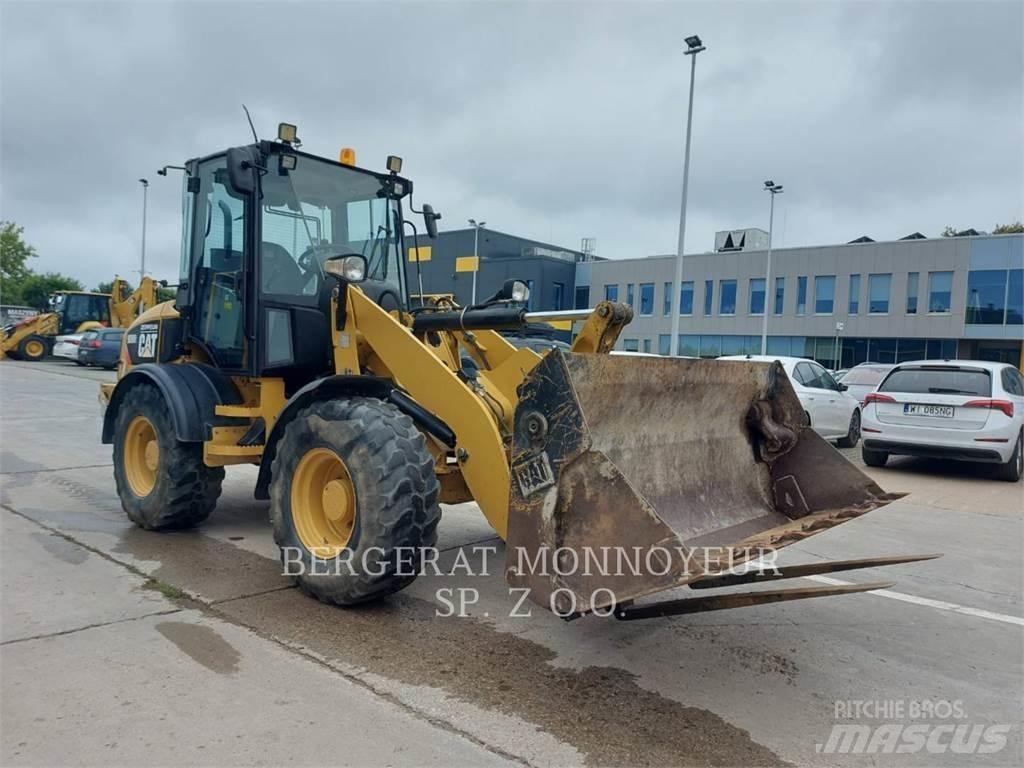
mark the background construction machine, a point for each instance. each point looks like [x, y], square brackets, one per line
[76, 312]
[291, 345]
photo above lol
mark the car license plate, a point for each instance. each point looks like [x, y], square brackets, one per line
[920, 409]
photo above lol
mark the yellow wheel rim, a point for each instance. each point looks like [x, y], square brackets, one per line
[35, 348]
[141, 456]
[323, 503]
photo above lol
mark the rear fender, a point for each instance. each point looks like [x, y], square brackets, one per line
[192, 392]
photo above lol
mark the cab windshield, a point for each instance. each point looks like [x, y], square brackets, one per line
[321, 210]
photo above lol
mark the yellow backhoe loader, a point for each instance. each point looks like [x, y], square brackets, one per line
[76, 312]
[291, 345]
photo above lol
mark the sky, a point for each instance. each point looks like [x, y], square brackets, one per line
[554, 121]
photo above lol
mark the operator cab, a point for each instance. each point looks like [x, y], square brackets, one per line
[75, 308]
[259, 223]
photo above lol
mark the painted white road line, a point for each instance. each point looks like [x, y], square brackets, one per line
[940, 604]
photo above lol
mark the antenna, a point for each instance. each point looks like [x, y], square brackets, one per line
[253, 127]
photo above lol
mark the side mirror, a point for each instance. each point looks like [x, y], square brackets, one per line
[350, 268]
[242, 170]
[430, 220]
[842, 387]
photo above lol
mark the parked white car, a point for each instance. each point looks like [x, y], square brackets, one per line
[833, 414]
[67, 346]
[864, 378]
[967, 410]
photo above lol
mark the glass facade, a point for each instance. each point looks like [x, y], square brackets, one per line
[913, 278]
[940, 291]
[780, 294]
[664, 344]
[582, 297]
[756, 296]
[995, 297]
[801, 295]
[646, 298]
[824, 294]
[686, 298]
[709, 296]
[854, 303]
[727, 297]
[878, 294]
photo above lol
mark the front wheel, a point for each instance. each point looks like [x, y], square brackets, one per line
[33, 348]
[852, 436]
[353, 500]
[1012, 470]
[162, 482]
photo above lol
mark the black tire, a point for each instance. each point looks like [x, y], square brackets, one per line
[1012, 470]
[853, 433]
[396, 499]
[29, 344]
[874, 458]
[79, 362]
[186, 490]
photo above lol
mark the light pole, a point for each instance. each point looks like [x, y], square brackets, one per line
[693, 47]
[477, 226]
[145, 191]
[773, 189]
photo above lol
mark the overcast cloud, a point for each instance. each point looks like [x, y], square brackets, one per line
[552, 121]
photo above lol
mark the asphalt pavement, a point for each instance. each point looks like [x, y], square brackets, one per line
[123, 647]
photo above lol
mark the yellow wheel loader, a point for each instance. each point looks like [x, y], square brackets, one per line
[291, 345]
[75, 312]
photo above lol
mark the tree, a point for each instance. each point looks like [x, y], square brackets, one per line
[14, 255]
[1013, 228]
[108, 287]
[949, 232]
[36, 289]
[165, 294]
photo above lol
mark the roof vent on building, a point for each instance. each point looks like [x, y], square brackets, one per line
[862, 239]
[914, 236]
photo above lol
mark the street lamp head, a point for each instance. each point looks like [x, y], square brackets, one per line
[769, 184]
[693, 41]
[143, 182]
[472, 222]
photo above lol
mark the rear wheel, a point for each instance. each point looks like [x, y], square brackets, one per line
[163, 483]
[33, 348]
[853, 433]
[1012, 470]
[874, 458]
[353, 500]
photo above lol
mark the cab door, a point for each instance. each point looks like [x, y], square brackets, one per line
[218, 291]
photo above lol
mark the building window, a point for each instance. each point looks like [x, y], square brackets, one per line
[913, 278]
[780, 294]
[559, 295]
[647, 346]
[709, 296]
[689, 346]
[583, 297]
[727, 297]
[666, 302]
[878, 296]
[710, 346]
[629, 295]
[824, 294]
[631, 345]
[801, 295]
[686, 298]
[940, 291]
[854, 294]
[664, 344]
[647, 299]
[995, 297]
[611, 293]
[757, 295]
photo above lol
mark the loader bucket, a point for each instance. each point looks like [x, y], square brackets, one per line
[632, 475]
